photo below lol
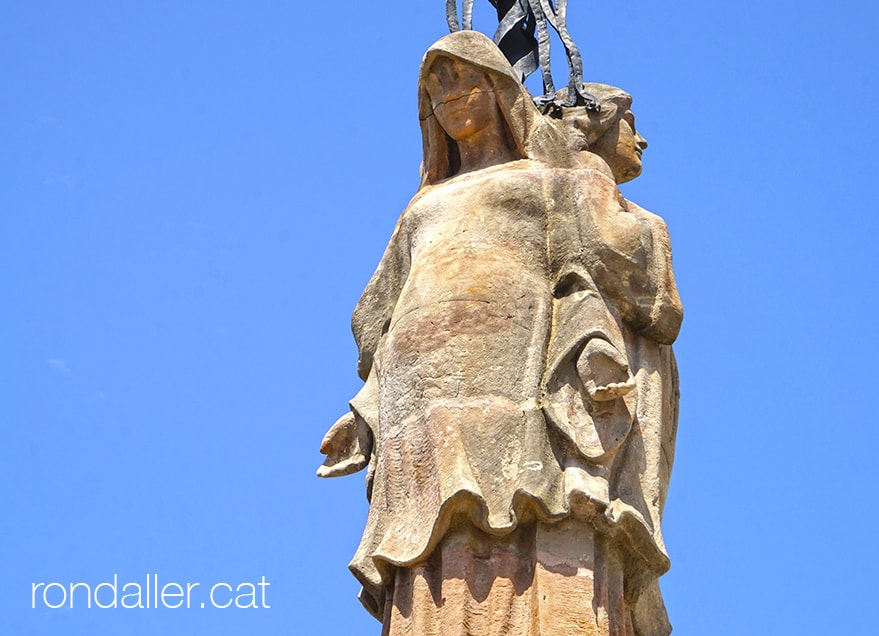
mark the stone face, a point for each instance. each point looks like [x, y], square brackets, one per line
[519, 408]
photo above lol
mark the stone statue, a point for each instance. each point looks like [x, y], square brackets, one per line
[518, 413]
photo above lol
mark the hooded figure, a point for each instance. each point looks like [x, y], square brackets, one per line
[519, 399]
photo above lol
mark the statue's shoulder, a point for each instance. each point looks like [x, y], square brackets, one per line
[651, 219]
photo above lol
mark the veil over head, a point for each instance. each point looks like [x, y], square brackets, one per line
[532, 136]
[614, 103]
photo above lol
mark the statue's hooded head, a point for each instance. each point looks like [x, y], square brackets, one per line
[592, 125]
[609, 133]
[527, 133]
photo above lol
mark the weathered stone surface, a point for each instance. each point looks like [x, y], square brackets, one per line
[519, 410]
[531, 582]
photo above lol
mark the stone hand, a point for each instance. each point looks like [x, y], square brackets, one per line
[604, 371]
[347, 445]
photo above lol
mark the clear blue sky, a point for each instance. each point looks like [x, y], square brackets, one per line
[194, 195]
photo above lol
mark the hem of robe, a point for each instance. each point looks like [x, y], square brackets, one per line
[646, 558]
